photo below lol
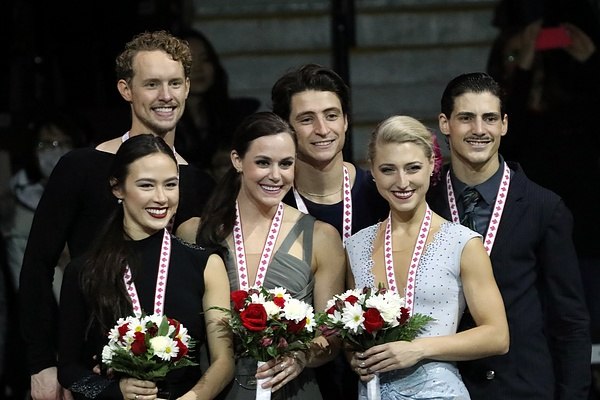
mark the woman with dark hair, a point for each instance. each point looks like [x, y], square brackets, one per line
[211, 115]
[144, 178]
[306, 256]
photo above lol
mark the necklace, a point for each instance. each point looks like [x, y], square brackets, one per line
[346, 204]
[265, 259]
[388, 258]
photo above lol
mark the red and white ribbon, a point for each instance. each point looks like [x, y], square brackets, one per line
[161, 280]
[388, 258]
[346, 205]
[265, 259]
[490, 236]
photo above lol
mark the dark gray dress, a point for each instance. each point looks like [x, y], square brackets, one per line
[296, 276]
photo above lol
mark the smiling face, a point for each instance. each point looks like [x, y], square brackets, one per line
[401, 172]
[267, 169]
[157, 92]
[150, 195]
[320, 126]
[474, 130]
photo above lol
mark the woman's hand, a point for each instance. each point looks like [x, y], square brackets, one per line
[386, 357]
[359, 365]
[135, 389]
[282, 370]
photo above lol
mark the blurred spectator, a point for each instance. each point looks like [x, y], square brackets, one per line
[552, 97]
[49, 137]
[211, 115]
[42, 142]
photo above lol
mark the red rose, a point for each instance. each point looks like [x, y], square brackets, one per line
[138, 347]
[404, 315]
[175, 324]
[279, 301]
[254, 317]
[238, 297]
[183, 350]
[373, 321]
[351, 299]
[295, 327]
[123, 329]
[282, 344]
[152, 330]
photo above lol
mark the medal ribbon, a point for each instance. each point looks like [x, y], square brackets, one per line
[347, 206]
[265, 259]
[161, 280]
[388, 258]
[490, 236]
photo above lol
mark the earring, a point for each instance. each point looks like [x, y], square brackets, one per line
[119, 201]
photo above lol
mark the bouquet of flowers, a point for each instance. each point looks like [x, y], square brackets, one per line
[147, 347]
[269, 322]
[367, 317]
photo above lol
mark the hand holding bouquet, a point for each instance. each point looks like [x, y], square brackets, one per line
[269, 323]
[147, 347]
[367, 317]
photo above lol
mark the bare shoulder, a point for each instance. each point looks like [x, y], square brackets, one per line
[187, 230]
[110, 146]
[327, 238]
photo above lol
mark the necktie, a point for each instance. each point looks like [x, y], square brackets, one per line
[470, 198]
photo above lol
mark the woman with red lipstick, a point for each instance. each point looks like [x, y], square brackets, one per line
[247, 217]
[439, 267]
[145, 180]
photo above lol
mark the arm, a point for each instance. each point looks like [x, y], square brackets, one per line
[328, 266]
[38, 309]
[489, 337]
[73, 373]
[330, 260]
[220, 343]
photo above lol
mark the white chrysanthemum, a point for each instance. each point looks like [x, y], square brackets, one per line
[330, 303]
[353, 292]
[336, 317]
[183, 335]
[310, 320]
[156, 319]
[113, 334]
[272, 309]
[135, 325]
[296, 310]
[388, 305]
[164, 347]
[280, 292]
[107, 354]
[257, 298]
[352, 316]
